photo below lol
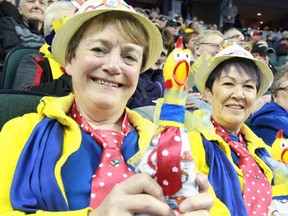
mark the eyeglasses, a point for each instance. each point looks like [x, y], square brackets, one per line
[216, 46]
[283, 89]
[238, 37]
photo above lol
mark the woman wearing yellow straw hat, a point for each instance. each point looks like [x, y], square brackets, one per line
[232, 155]
[66, 158]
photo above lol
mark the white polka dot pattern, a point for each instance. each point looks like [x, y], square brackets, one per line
[257, 190]
[112, 168]
[168, 160]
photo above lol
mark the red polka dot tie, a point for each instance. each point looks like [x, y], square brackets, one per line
[257, 190]
[168, 160]
[112, 167]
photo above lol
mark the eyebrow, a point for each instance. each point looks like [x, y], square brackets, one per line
[130, 46]
[230, 77]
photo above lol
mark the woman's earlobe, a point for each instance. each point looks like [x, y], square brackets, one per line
[273, 96]
[68, 65]
[208, 95]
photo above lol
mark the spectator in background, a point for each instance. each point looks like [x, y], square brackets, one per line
[282, 51]
[284, 33]
[173, 27]
[255, 37]
[212, 27]
[271, 40]
[273, 116]
[196, 25]
[262, 53]
[208, 42]
[182, 22]
[162, 19]
[28, 31]
[168, 39]
[42, 73]
[235, 36]
[189, 41]
[228, 13]
[7, 8]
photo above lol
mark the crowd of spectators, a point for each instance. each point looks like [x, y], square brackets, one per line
[23, 25]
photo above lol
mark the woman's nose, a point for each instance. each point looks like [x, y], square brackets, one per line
[112, 63]
[238, 92]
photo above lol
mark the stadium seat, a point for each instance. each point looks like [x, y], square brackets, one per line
[14, 103]
[11, 62]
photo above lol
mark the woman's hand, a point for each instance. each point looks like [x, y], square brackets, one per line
[200, 204]
[141, 194]
[138, 194]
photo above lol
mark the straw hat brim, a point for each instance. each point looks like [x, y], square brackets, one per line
[68, 29]
[204, 65]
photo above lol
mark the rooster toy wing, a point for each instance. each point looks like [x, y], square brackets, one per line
[169, 158]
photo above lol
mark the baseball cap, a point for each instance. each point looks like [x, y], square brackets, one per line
[93, 8]
[204, 65]
[172, 22]
[255, 33]
[262, 49]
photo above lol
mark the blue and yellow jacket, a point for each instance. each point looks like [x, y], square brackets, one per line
[213, 157]
[17, 132]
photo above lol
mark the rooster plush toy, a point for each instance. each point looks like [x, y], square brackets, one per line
[168, 158]
[280, 148]
[279, 164]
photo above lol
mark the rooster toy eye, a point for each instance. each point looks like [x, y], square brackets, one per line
[177, 56]
[284, 145]
[187, 57]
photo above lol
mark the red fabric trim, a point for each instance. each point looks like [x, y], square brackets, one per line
[39, 71]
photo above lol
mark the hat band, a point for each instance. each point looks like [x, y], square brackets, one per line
[106, 4]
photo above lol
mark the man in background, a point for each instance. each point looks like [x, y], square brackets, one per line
[27, 31]
[229, 13]
[262, 53]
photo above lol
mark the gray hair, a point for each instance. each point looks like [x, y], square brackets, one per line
[202, 37]
[231, 33]
[55, 11]
[279, 77]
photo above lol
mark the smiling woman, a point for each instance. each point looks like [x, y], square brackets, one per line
[231, 154]
[107, 69]
[232, 87]
[66, 158]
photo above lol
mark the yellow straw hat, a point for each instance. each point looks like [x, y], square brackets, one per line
[93, 8]
[204, 65]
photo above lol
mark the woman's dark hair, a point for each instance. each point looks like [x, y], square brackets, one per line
[242, 66]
